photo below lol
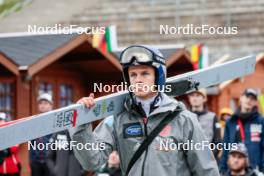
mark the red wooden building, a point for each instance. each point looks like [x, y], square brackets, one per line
[66, 66]
[230, 91]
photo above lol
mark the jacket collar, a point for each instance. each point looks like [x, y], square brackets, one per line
[162, 104]
[254, 114]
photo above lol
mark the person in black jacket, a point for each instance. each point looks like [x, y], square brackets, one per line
[61, 160]
[246, 125]
[38, 155]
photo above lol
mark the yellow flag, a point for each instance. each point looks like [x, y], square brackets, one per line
[97, 39]
[261, 102]
[195, 57]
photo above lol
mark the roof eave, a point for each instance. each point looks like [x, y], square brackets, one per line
[9, 64]
[59, 52]
[177, 55]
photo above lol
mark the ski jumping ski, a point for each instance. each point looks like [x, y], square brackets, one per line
[26, 129]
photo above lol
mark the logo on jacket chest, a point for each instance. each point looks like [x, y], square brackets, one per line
[131, 130]
[255, 132]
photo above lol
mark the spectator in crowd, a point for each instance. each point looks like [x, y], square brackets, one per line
[238, 163]
[38, 163]
[207, 119]
[9, 161]
[247, 126]
[111, 168]
[61, 160]
[225, 114]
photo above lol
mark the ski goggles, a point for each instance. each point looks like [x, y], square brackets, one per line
[141, 55]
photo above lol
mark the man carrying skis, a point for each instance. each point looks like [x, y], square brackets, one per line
[146, 111]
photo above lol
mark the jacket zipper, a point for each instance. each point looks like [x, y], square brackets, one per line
[145, 156]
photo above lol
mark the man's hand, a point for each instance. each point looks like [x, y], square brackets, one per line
[87, 101]
[113, 160]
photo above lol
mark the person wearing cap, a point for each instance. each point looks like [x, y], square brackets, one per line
[38, 156]
[247, 126]
[225, 114]
[207, 119]
[145, 107]
[9, 161]
[238, 163]
[3, 117]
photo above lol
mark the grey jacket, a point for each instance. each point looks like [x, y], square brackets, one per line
[210, 126]
[126, 131]
[208, 122]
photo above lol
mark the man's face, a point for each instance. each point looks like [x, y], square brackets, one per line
[142, 77]
[247, 103]
[236, 162]
[196, 99]
[44, 106]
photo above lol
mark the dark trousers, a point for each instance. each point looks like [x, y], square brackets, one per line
[39, 169]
